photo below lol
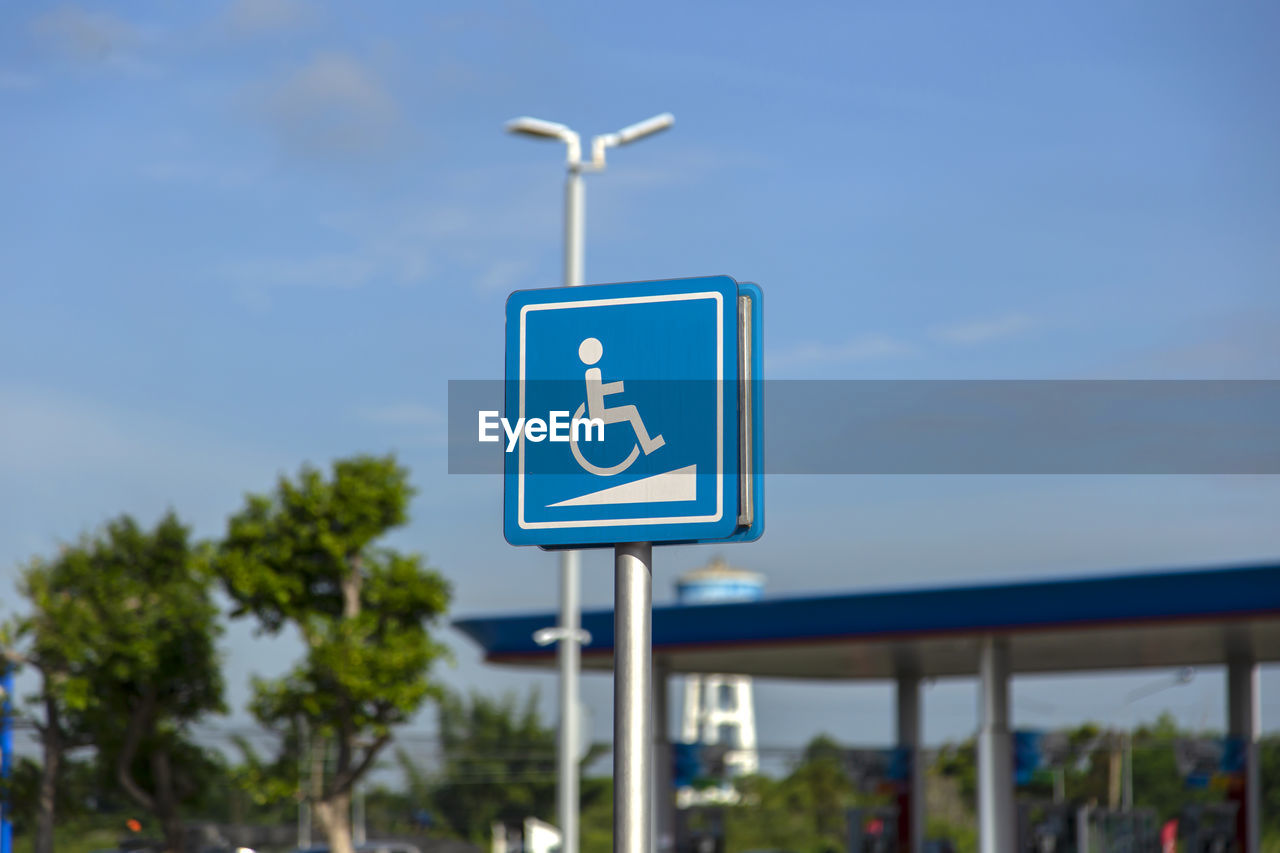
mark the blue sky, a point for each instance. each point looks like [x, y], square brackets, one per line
[239, 236]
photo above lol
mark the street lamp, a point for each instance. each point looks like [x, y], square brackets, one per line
[573, 202]
[1184, 675]
[569, 634]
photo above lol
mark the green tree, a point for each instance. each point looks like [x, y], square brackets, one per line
[1269, 779]
[595, 827]
[123, 629]
[306, 556]
[33, 641]
[959, 761]
[1157, 784]
[823, 783]
[270, 783]
[804, 811]
[499, 763]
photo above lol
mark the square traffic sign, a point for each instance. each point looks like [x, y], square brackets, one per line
[625, 400]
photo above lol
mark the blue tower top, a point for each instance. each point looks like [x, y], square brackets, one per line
[719, 582]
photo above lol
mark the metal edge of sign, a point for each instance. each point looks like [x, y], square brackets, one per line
[754, 430]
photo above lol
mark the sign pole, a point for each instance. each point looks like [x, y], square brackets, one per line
[632, 698]
[701, 486]
[570, 635]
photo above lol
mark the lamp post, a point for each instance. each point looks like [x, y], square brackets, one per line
[1182, 676]
[569, 635]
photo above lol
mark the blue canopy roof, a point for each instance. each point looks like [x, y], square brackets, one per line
[1168, 618]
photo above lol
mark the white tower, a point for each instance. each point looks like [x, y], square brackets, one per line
[718, 708]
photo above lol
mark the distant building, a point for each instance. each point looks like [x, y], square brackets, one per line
[718, 708]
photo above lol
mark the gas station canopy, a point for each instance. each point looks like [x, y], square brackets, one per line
[1193, 617]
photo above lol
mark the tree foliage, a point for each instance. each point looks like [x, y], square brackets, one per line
[802, 811]
[306, 556]
[1087, 774]
[123, 629]
[499, 763]
[1269, 778]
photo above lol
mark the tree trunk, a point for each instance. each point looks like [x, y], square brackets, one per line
[139, 720]
[334, 814]
[334, 810]
[351, 583]
[1113, 776]
[51, 736]
[175, 832]
[166, 808]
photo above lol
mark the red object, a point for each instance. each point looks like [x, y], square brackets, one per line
[1169, 837]
[875, 826]
[133, 825]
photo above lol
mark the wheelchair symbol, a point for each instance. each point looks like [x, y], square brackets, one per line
[590, 352]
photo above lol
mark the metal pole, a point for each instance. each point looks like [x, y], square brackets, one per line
[304, 804]
[574, 216]
[1082, 831]
[1127, 791]
[995, 750]
[568, 651]
[632, 698]
[570, 634]
[664, 812]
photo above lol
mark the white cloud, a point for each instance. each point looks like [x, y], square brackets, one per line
[17, 81]
[879, 347]
[477, 231]
[68, 462]
[478, 242]
[382, 260]
[411, 425]
[401, 414]
[1237, 345]
[985, 331]
[682, 166]
[255, 17]
[200, 174]
[43, 433]
[333, 270]
[333, 105]
[502, 275]
[869, 347]
[92, 37]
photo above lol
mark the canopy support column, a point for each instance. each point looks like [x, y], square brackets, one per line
[911, 796]
[1244, 716]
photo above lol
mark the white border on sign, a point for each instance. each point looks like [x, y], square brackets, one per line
[614, 522]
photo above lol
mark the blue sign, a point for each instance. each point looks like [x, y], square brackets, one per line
[623, 413]
[1203, 761]
[1027, 758]
[698, 765]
